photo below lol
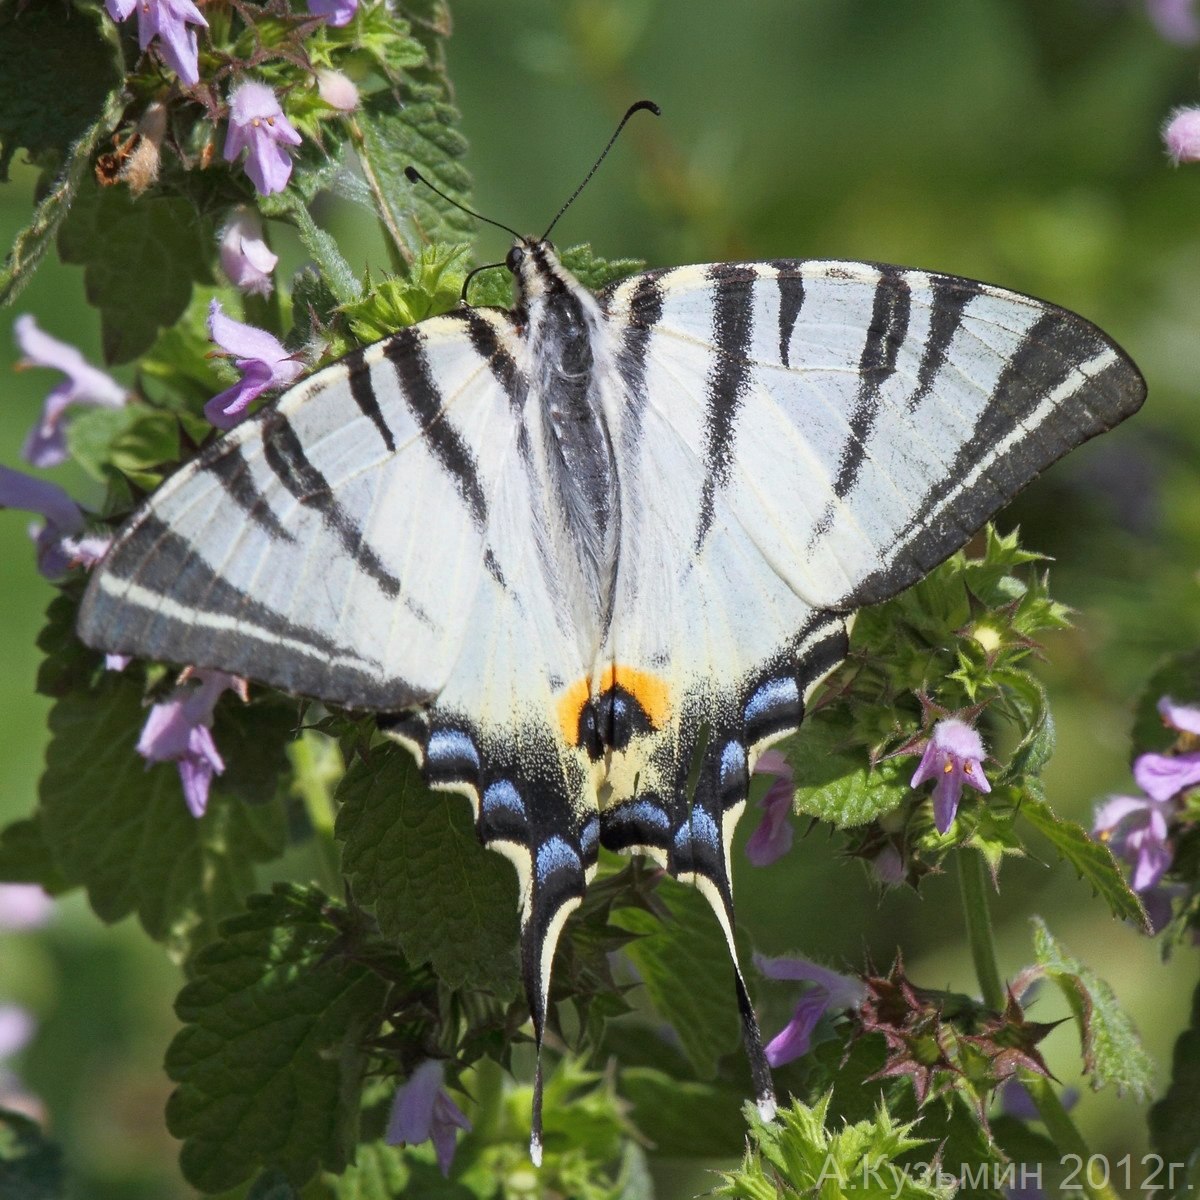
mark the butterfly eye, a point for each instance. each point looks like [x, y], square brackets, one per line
[515, 257]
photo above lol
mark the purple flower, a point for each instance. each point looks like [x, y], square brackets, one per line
[179, 730]
[1162, 776]
[423, 1110]
[17, 1027]
[46, 445]
[1182, 717]
[61, 542]
[24, 906]
[335, 12]
[953, 756]
[773, 837]
[1136, 830]
[1181, 135]
[1015, 1100]
[169, 21]
[829, 990]
[888, 866]
[258, 126]
[1175, 20]
[337, 90]
[261, 358]
[246, 258]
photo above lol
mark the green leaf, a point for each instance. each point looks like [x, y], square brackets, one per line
[379, 1172]
[30, 1165]
[1093, 860]
[121, 829]
[684, 964]
[1112, 1051]
[434, 286]
[839, 787]
[140, 259]
[1175, 1119]
[335, 270]
[133, 439]
[270, 1061]
[26, 858]
[412, 856]
[595, 272]
[61, 116]
[420, 131]
[681, 1117]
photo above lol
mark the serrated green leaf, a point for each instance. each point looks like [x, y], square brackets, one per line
[1036, 747]
[684, 963]
[140, 259]
[30, 1164]
[413, 857]
[91, 94]
[840, 787]
[26, 858]
[1093, 860]
[420, 131]
[595, 272]
[121, 829]
[1175, 1119]
[270, 1061]
[1112, 1051]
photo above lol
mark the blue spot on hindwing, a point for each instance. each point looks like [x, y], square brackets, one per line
[555, 855]
[733, 762]
[589, 837]
[451, 746]
[700, 827]
[501, 795]
[772, 695]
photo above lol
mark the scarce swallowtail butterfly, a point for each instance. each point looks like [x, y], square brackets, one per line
[587, 557]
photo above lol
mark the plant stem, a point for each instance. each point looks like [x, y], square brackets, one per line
[313, 791]
[973, 884]
[1062, 1130]
[399, 250]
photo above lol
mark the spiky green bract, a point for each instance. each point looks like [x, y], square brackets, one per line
[1112, 1051]
[799, 1155]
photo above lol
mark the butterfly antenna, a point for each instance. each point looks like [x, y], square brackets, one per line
[462, 299]
[415, 176]
[650, 106]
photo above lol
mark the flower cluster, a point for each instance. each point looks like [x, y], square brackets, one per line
[1138, 829]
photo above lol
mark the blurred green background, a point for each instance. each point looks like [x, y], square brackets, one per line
[1011, 140]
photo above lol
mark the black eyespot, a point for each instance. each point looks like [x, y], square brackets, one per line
[515, 257]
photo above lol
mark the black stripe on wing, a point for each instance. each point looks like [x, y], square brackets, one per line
[362, 391]
[986, 473]
[405, 351]
[232, 470]
[728, 378]
[285, 455]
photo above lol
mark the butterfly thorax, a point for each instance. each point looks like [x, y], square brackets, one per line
[569, 361]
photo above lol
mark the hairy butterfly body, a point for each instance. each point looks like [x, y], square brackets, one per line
[590, 556]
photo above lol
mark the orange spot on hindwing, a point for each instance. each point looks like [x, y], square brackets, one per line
[628, 701]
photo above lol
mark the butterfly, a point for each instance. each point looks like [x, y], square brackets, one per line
[589, 556]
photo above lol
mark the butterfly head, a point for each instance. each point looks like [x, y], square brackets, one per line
[536, 269]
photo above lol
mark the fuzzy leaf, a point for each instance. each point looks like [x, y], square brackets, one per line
[681, 1117]
[30, 1165]
[1112, 1051]
[422, 131]
[434, 286]
[595, 272]
[379, 1172]
[121, 829]
[140, 259]
[841, 787]
[132, 439]
[684, 963]
[1175, 1119]
[25, 857]
[413, 857]
[1093, 860]
[336, 272]
[270, 1062]
[61, 116]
